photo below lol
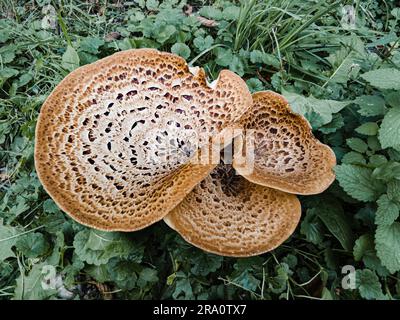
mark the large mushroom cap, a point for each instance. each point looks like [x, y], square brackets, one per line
[228, 215]
[114, 139]
[286, 154]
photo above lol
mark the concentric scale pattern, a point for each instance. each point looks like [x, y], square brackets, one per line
[228, 215]
[287, 156]
[115, 138]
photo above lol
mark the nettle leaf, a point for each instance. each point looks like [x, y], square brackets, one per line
[357, 144]
[353, 158]
[364, 245]
[368, 284]
[358, 182]
[368, 129]
[332, 215]
[387, 242]
[386, 78]
[389, 132]
[312, 228]
[370, 105]
[344, 65]
[393, 99]
[393, 190]
[387, 171]
[70, 59]
[377, 160]
[336, 123]
[181, 49]
[388, 211]
[313, 107]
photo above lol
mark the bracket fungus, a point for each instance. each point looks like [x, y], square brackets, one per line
[286, 155]
[228, 215]
[255, 211]
[115, 138]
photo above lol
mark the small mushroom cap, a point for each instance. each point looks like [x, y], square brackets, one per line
[286, 155]
[115, 139]
[228, 215]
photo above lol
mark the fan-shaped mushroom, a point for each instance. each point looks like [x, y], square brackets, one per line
[115, 138]
[286, 154]
[228, 215]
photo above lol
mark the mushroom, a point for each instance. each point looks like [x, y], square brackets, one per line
[228, 215]
[287, 156]
[239, 212]
[115, 139]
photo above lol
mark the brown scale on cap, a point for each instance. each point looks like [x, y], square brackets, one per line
[287, 156]
[228, 215]
[114, 139]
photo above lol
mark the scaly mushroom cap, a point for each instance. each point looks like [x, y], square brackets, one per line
[286, 154]
[228, 215]
[114, 139]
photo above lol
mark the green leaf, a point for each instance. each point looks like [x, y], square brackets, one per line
[393, 190]
[231, 13]
[370, 105]
[353, 158]
[183, 288]
[344, 66]
[211, 12]
[377, 160]
[331, 127]
[387, 171]
[70, 59]
[363, 245]
[385, 78]
[368, 129]
[203, 43]
[389, 132]
[91, 44]
[147, 276]
[224, 57]
[30, 287]
[98, 247]
[388, 211]
[357, 145]
[358, 182]
[254, 85]
[32, 245]
[387, 241]
[237, 66]
[205, 263]
[181, 49]
[332, 215]
[7, 241]
[312, 228]
[368, 284]
[324, 109]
